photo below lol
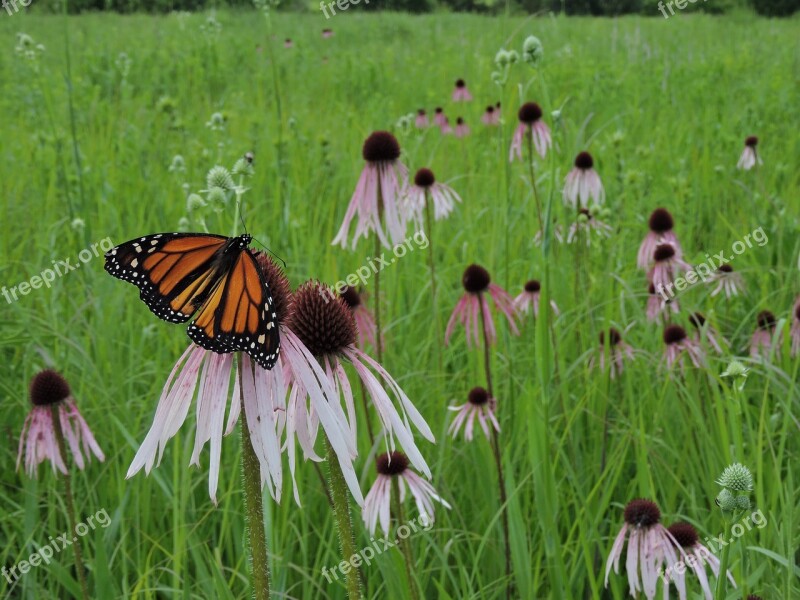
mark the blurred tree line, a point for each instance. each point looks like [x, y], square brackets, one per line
[776, 8]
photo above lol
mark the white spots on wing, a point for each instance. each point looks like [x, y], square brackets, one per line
[262, 338]
[135, 263]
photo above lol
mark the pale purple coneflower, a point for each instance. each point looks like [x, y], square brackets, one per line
[490, 116]
[378, 501]
[421, 121]
[49, 393]
[666, 266]
[288, 43]
[660, 224]
[462, 129]
[446, 128]
[532, 128]
[613, 346]
[529, 297]
[460, 92]
[377, 197]
[761, 343]
[728, 281]
[479, 405]
[795, 330]
[557, 233]
[439, 118]
[749, 157]
[583, 184]
[697, 557]
[650, 545]
[365, 322]
[443, 197]
[326, 327]
[656, 303]
[587, 224]
[327, 33]
[705, 330]
[472, 309]
[677, 344]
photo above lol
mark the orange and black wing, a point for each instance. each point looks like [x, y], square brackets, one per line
[175, 272]
[238, 314]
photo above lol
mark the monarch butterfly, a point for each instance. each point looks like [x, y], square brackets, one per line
[216, 277]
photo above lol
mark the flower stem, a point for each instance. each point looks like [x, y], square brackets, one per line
[70, 502]
[533, 183]
[496, 448]
[432, 267]
[378, 332]
[719, 592]
[254, 508]
[405, 547]
[344, 522]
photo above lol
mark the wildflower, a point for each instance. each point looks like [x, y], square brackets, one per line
[327, 33]
[461, 93]
[665, 267]
[378, 193]
[612, 344]
[649, 546]
[50, 395]
[660, 224]
[288, 43]
[698, 556]
[479, 404]
[377, 503]
[421, 121]
[728, 281]
[707, 331]
[677, 344]
[749, 157]
[443, 197]
[529, 298]
[462, 129]
[531, 127]
[583, 183]
[761, 343]
[439, 119]
[657, 303]
[472, 310]
[586, 224]
[490, 116]
[365, 323]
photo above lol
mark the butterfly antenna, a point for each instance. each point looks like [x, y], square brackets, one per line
[283, 262]
[241, 216]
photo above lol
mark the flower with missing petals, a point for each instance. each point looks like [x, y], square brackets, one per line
[585, 225]
[705, 331]
[583, 183]
[376, 199]
[749, 157]
[472, 310]
[391, 466]
[532, 129]
[479, 405]
[728, 281]
[51, 397]
[614, 347]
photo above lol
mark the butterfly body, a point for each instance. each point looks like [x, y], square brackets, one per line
[213, 278]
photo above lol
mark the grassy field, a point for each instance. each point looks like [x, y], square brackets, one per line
[88, 138]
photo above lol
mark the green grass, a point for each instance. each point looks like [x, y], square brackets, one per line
[664, 106]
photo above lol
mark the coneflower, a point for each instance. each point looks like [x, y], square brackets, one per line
[795, 331]
[327, 33]
[665, 269]
[585, 225]
[660, 225]
[612, 344]
[439, 118]
[728, 281]
[528, 299]
[288, 43]
[650, 545]
[677, 343]
[705, 330]
[462, 129]
[479, 405]
[421, 122]
[365, 323]
[583, 183]
[472, 310]
[442, 197]
[377, 196]
[761, 343]
[460, 92]
[490, 116]
[749, 157]
[656, 303]
[531, 128]
[698, 556]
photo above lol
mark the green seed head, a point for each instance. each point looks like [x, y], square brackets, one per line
[532, 51]
[743, 502]
[726, 501]
[737, 478]
[219, 177]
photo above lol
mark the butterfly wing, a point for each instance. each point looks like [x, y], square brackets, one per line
[175, 272]
[238, 314]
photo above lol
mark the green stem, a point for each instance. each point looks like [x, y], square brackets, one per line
[254, 508]
[405, 547]
[533, 183]
[719, 593]
[70, 502]
[344, 521]
[378, 333]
